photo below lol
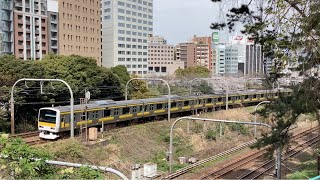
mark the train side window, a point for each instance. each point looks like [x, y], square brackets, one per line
[173, 104]
[62, 118]
[107, 113]
[126, 110]
[262, 95]
[166, 106]
[145, 108]
[116, 112]
[159, 106]
[255, 96]
[219, 99]
[95, 114]
[246, 97]
[134, 109]
[229, 98]
[151, 106]
[186, 103]
[209, 100]
[83, 116]
[141, 108]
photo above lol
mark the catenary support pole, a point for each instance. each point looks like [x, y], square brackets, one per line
[152, 79]
[255, 116]
[203, 119]
[43, 80]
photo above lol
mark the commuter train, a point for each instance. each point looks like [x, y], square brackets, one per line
[53, 121]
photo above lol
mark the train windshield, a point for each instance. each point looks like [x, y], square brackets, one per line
[47, 115]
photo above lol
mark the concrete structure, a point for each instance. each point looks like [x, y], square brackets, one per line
[79, 28]
[126, 26]
[30, 29]
[6, 16]
[161, 61]
[53, 25]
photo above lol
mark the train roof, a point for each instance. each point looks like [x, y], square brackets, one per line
[109, 103]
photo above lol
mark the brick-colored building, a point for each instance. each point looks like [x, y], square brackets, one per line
[198, 52]
[30, 29]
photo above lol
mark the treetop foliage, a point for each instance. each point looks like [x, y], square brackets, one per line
[289, 32]
[192, 72]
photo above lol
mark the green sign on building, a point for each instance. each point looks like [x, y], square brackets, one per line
[215, 37]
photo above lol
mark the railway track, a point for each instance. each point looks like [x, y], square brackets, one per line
[25, 135]
[269, 165]
[31, 138]
[249, 158]
[226, 153]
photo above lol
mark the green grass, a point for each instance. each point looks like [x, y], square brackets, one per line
[308, 170]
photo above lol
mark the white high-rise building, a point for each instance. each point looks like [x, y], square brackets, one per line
[126, 25]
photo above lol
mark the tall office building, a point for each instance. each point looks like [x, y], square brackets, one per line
[30, 29]
[126, 26]
[79, 28]
[231, 60]
[250, 56]
[6, 17]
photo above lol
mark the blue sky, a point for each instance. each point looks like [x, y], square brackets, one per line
[179, 20]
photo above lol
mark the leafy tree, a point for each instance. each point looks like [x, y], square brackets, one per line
[192, 72]
[204, 88]
[4, 123]
[122, 73]
[289, 32]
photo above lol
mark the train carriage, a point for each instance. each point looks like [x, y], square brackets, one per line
[54, 120]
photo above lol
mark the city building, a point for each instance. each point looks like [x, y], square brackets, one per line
[250, 56]
[126, 26]
[161, 61]
[231, 60]
[30, 29]
[6, 30]
[79, 27]
[198, 52]
[185, 52]
[203, 51]
[220, 59]
[53, 26]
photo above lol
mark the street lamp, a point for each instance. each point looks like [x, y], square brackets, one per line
[152, 79]
[255, 115]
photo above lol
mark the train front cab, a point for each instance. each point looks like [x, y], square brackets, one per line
[48, 120]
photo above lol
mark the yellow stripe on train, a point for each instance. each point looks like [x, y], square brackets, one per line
[106, 119]
[45, 124]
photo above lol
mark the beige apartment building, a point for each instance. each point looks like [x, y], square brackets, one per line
[80, 28]
[161, 61]
[198, 52]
